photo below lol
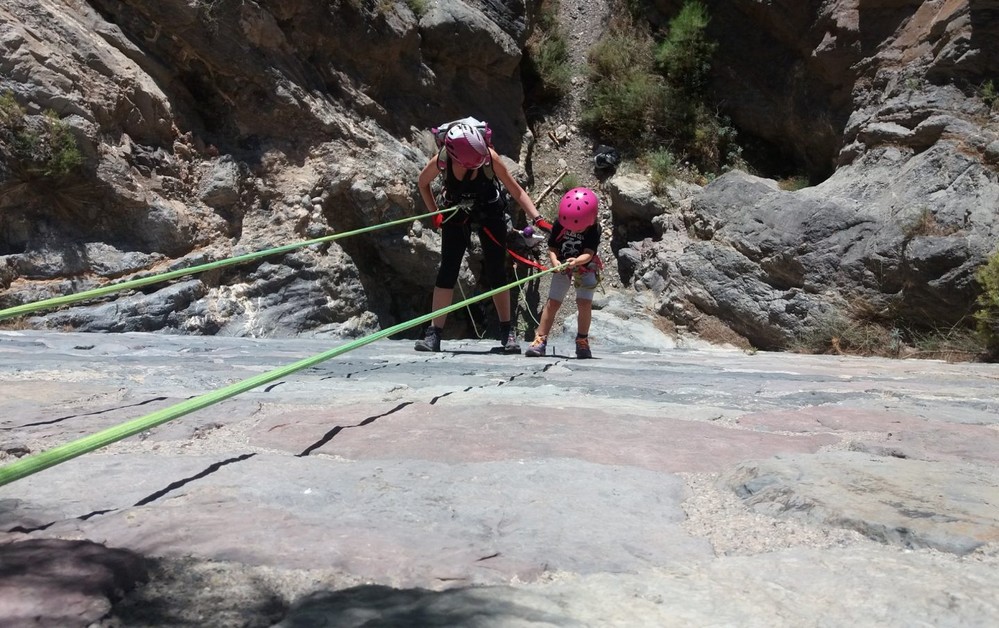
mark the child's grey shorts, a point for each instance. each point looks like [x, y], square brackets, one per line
[586, 283]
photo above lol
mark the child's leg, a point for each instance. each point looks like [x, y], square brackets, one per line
[584, 309]
[540, 345]
[548, 316]
[556, 294]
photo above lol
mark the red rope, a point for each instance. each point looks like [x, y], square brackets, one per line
[514, 255]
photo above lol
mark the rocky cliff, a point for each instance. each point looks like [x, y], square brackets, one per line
[880, 104]
[215, 128]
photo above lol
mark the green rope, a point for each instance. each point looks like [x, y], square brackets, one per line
[51, 457]
[144, 281]
[523, 297]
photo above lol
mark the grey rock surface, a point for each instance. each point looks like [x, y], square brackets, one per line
[779, 265]
[674, 485]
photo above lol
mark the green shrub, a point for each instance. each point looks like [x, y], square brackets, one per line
[11, 114]
[36, 147]
[989, 94]
[987, 316]
[625, 49]
[956, 344]
[684, 57]
[793, 183]
[625, 94]
[706, 140]
[418, 7]
[925, 224]
[644, 94]
[569, 182]
[551, 57]
[684, 60]
[623, 111]
[840, 333]
[547, 59]
[662, 168]
[64, 155]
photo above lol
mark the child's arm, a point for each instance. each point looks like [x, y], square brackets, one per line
[591, 239]
[553, 256]
[583, 259]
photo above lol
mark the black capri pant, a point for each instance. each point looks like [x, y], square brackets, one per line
[456, 237]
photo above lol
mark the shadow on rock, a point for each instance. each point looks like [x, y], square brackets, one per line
[191, 592]
[53, 582]
[375, 605]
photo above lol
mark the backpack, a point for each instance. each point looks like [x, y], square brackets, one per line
[440, 132]
[605, 158]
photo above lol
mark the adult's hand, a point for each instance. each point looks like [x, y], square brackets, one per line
[543, 224]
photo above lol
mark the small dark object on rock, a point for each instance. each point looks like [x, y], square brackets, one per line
[605, 158]
[17, 451]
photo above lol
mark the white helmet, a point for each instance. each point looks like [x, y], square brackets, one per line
[466, 145]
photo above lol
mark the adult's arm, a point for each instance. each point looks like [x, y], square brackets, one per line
[518, 193]
[427, 176]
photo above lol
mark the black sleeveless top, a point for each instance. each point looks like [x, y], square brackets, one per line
[483, 190]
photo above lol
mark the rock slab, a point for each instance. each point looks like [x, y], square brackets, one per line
[681, 486]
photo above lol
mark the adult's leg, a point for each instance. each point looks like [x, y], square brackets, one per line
[501, 302]
[491, 236]
[454, 243]
[442, 298]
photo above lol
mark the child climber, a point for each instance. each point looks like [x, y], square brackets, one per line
[574, 240]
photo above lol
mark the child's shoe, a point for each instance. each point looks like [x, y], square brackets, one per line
[583, 348]
[538, 347]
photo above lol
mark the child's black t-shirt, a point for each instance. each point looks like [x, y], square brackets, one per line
[568, 244]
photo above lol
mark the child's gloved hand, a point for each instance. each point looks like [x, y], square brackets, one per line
[543, 224]
[437, 220]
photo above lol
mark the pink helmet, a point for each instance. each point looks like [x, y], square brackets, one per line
[465, 144]
[578, 209]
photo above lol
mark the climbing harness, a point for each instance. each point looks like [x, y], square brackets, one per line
[577, 278]
[530, 241]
